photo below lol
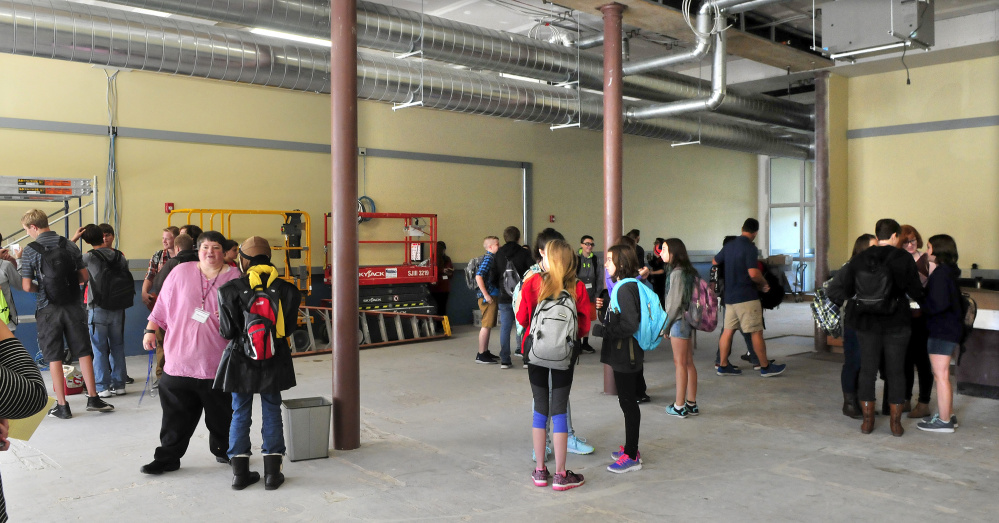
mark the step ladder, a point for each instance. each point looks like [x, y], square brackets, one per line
[375, 329]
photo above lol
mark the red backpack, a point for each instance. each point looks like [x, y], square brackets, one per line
[702, 314]
[259, 329]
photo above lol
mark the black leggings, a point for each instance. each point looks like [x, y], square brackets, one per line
[916, 356]
[872, 346]
[627, 384]
[561, 384]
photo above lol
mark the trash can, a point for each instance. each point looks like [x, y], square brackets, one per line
[306, 428]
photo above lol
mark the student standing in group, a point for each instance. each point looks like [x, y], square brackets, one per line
[621, 351]
[589, 274]
[850, 375]
[679, 287]
[877, 281]
[106, 322]
[917, 362]
[942, 311]
[551, 380]
[520, 259]
[441, 288]
[487, 291]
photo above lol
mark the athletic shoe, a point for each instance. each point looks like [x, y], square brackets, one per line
[936, 425]
[129, 380]
[96, 404]
[525, 365]
[541, 477]
[587, 349]
[60, 411]
[747, 357]
[644, 398]
[678, 413]
[158, 467]
[548, 454]
[616, 455]
[756, 364]
[566, 481]
[506, 365]
[774, 369]
[728, 370]
[518, 352]
[624, 464]
[491, 355]
[118, 391]
[577, 445]
[483, 357]
[106, 393]
[692, 409]
[953, 419]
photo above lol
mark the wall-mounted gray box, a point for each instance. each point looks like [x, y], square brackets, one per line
[850, 25]
[307, 428]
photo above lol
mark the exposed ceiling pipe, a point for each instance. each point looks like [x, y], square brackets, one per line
[700, 50]
[89, 34]
[387, 28]
[710, 103]
[741, 6]
[590, 42]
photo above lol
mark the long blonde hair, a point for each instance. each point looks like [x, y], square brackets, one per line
[561, 273]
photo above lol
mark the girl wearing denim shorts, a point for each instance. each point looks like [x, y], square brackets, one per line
[679, 287]
[944, 323]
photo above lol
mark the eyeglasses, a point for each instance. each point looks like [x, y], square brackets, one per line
[589, 244]
[909, 242]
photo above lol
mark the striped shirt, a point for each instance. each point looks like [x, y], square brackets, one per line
[22, 391]
[31, 262]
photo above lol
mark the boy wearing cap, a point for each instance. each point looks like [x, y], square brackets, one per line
[243, 375]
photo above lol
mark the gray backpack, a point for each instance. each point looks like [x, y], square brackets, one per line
[553, 332]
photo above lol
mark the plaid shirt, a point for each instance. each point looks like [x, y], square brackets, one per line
[487, 276]
[156, 263]
[826, 313]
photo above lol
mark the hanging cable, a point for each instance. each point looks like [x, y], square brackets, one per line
[112, 187]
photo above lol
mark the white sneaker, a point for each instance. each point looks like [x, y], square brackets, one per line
[106, 393]
[118, 392]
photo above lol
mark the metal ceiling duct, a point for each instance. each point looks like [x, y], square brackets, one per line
[387, 28]
[89, 34]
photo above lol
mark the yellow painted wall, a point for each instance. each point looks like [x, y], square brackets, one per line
[939, 182]
[697, 193]
[840, 241]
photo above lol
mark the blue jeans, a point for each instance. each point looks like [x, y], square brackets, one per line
[507, 321]
[107, 338]
[271, 427]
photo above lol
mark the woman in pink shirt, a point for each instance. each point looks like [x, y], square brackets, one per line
[187, 309]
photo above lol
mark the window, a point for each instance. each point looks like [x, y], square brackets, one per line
[791, 200]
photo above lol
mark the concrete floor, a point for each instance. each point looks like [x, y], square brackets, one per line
[445, 439]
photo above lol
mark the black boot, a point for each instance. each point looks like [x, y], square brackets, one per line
[851, 407]
[273, 478]
[242, 476]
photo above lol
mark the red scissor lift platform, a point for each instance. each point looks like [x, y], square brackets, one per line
[395, 305]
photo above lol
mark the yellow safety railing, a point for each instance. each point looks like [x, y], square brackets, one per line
[302, 278]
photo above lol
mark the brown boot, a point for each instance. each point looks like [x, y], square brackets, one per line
[850, 406]
[896, 419]
[867, 408]
[907, 406]
[922, 410]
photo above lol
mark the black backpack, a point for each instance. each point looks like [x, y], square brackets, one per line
[872, 285]
[260, 314]
[772, 299]
[59, 276]
[969, 311]
[113, 287]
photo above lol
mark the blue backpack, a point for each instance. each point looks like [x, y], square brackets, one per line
[653, 325]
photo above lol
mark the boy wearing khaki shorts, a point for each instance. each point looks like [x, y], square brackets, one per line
[487, 291]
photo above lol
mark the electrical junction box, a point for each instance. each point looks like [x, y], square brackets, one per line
[853, 25]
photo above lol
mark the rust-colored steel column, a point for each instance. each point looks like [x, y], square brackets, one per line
[821, 191]
[343, 136]
[613, 139]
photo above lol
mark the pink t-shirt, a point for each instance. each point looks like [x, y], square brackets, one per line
[191, 349]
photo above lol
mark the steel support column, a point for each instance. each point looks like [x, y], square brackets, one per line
[343, 136]
[821, 191]
[613, 139]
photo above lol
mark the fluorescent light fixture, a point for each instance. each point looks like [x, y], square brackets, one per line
[836, 56]
[290, 36]
[160, 14]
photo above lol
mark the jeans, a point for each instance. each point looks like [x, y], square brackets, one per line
[872, 345]
[271, 427]
[507, 321]
[107, 333]
[851, 361]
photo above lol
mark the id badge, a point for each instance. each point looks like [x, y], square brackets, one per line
[200, 315]
[589, 285]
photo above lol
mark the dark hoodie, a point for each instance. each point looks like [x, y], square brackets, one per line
[521, 259]
[905, 281]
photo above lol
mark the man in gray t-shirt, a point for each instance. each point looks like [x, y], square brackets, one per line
[106, 326]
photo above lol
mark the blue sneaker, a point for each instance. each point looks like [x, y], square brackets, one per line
[616, 455]
[577, 445]
[774, 369]
[953, 419]
[675, 412]
[548, 454]
[936, 425]
[692, 409]
[624, 464]
[728, 370]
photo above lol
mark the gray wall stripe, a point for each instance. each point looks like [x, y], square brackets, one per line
[58, 127]
[925, 127]
[442, 158]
